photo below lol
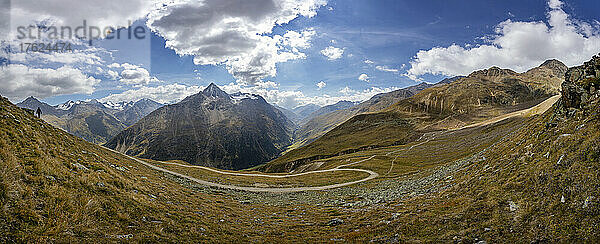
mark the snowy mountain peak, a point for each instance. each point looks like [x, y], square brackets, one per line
[67, 105]
[238, 97]
[214, 91]
[118, 105]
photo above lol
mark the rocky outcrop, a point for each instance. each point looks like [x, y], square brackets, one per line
[556, 66]
[581, 84]
[492, 72]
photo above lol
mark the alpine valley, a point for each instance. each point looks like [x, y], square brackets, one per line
[304, 121]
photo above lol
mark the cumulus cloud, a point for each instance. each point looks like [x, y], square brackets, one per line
[517, 45]
[321, 84]
[368, 61]
[73, 13]
[298, 39]
[20, 81]
[232, 32]
[363, 77]
[332, 53]
[75, 57]
[346, 90]
[386, 69]
[555, 4]
[359, 96]
[135, 75]
[166, 94]
[267, 84]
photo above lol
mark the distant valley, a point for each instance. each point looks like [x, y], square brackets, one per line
[481, 95]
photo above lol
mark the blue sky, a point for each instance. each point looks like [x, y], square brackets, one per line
[388, 44]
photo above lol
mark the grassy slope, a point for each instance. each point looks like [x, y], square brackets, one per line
[46, 194]
[316, 127]
[468, 100]
[71, 205]
[549, 171]
[359, 133]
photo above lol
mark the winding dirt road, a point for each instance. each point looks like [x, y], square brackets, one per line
[372, 175]
[538, 109]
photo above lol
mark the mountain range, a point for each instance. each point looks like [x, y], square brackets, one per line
[211, 128]
[528, 178]
[92, 120]
[321, 123]
[481, 95]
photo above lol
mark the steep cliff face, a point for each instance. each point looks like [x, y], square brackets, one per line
[211, 128]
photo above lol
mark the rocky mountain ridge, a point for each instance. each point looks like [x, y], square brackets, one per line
[92, 120]
[482, 95]
[210, 128]
[321, 124]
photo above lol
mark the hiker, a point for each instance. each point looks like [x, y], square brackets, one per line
[38, 112]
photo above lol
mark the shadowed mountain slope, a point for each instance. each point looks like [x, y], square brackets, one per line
[211, 128]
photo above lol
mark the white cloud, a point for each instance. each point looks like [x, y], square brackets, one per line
[267, 84]
[114, 13]
[363, 77]
[291, 99]
[321, 84]
[368, 61]
[332, 53]
[555, 4]
[359, 96]
[386, 69]
[113, 75]
[75, 57]
[231, 32]
[167, 94]
[346, 90]
[114, 65]
[517, 45]
[20, 81]
[135, 75]
[298, 39]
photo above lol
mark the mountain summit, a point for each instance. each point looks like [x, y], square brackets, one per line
[214, 91]
[558, 67]
[211, 128]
